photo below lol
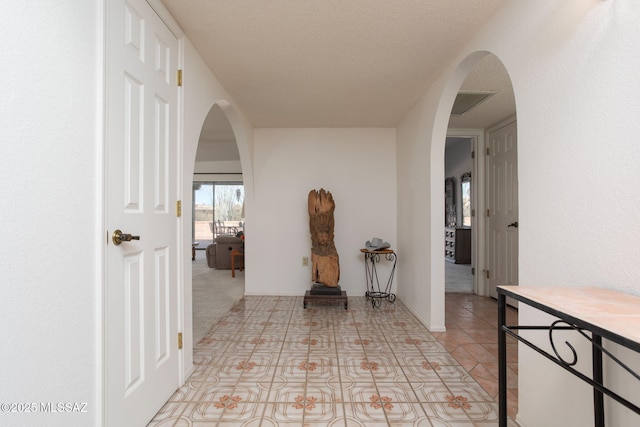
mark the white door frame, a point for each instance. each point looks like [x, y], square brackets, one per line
[478, 227]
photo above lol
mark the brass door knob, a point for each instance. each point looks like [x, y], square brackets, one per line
[119, 237]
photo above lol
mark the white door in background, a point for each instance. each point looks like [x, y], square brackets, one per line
[502, 206]
[141, 313]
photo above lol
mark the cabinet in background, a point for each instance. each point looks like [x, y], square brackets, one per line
[457, 245]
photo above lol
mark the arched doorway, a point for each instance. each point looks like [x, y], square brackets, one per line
[484, 103]
[217, 222]
[489, 178]
[192, 128]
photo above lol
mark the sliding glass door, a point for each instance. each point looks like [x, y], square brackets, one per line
[218, 209]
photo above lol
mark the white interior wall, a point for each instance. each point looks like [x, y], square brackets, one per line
[216, 150]
[457, 158]
[223, 166]
[573, 70]
[50, 187]
[356, 165]
[587, 77]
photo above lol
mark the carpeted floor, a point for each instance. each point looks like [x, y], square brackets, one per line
[458, 278]
[214, 294]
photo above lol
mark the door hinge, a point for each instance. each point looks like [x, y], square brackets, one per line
[179, 78]
[487, 151]
[488, 213]
[473, 271]
[473, 154]
[179, 208]
[487, 272]
[179, 340]
[473, 212]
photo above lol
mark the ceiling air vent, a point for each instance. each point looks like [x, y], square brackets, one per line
[466, 101]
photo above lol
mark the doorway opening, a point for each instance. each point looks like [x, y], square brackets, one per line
[217, 225]
[469, 133]
[458, 220]
[485, 132]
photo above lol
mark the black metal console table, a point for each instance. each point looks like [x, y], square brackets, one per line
[594, 314]
[374, 293]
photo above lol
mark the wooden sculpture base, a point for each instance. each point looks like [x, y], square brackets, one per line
[326, 299]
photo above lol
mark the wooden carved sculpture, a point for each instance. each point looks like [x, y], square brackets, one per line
[325, 265]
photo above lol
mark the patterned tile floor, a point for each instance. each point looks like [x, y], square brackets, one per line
[270, 363]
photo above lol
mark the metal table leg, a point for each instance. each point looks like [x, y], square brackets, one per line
[502, 361]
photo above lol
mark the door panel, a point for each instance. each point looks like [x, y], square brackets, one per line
[133, 321]
[162, 307]
[502, 203]
[141, 313]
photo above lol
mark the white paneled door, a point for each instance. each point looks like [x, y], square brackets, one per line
[502, 204]
[141, 345]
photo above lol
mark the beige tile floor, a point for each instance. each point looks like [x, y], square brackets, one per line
[270, 362]
[472, 339]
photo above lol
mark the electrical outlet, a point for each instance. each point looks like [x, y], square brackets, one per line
[305, 261]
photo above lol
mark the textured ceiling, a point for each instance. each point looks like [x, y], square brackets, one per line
[332, 63]
[489, 75]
